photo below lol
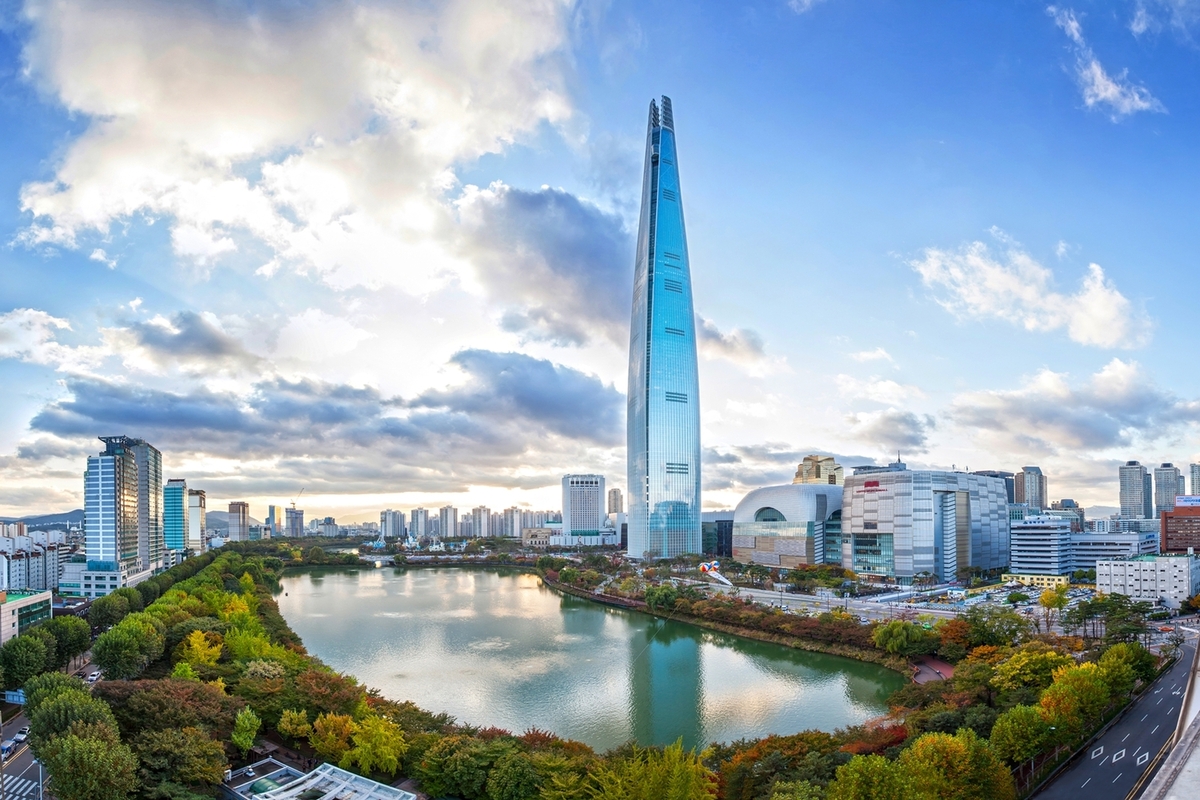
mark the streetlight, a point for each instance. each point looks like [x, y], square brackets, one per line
[39, 763]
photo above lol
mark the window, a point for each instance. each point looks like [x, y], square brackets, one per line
[676, 468]
[676, 397]
[673, 285]
[675, 331]
[668, 194]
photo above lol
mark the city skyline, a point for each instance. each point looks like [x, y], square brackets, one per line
[924, 229]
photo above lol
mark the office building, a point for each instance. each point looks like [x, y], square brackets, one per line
[1136, 497]
[391, 524]
[784, 526]
[1179, 528]
[663, 419]
[583, 508]
[294, 522]
[1010, 483]
[819, 469]
[616, 504]
[239, 521]
[1041, 545]
[273, 523]
[448, 522]
[1090, 547]
[916, 523]
[1029, 486]
[176, 517]
[1167, 580]
[1168, 484]
[22, 610]
[112, 495]
[197, 542]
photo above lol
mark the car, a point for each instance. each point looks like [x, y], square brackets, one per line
[95, 676]
[7, 747]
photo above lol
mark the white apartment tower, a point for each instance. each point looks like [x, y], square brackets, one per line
[391, 524]
[418, 523]
[583, 504]
[448, 522]
[197, 521]
[1137, 500]
[239, 521]
[1168, 484]
[481, 522]
[1195, 470]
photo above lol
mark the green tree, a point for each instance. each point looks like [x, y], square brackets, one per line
[661, 597]
[996, 626]
[514, 777]
[378, 747]
[118, 654]
[133, 596]
[188, 756]
[48, 641]
[904, 638]
[877, 778]
[796, 790]
[108, 610]
[48, 685]
[1019, 734]
[56, 715]
[671, 773]
[73, 637]
[1085, 689]
[315, 555]
[90, 768]
[245, 730]
[1140, 663]
[966, 768]
[1031, 666]
[21, 658]
[1016, 597]
[294, 724]
[331, 735]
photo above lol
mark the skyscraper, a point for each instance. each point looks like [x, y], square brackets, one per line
[664, 388]
[294, 517]
[1030, 487]
[448, 522]
[123, 504]
[819, 469]
[197, 520]
[391, 524]
[616, 504]
[239, 521]
[1167, 482]
[1137, 500]
[1195, 470]
[481, 522]
[418, 523]
[583, 504]
[175, 516]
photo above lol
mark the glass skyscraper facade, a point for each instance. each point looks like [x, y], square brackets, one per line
[175, 516]
[664, 387]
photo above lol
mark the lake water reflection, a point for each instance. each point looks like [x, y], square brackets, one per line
[498, 648]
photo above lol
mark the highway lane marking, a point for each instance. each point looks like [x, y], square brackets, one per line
[1099, 750]
[1144, 718]
[1102, 762]
[1156, 727]
[1159, 702]
[1085, 783]
[1143, 758]
[1172, 711]
[1119, 774]
[1118, 756]
[1127, 736]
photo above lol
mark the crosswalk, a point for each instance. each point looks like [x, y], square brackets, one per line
[20, 788]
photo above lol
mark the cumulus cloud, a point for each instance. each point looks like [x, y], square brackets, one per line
[744, 467]
[512, 420]
[28, 334]
[561, 267]
[878, 354]
[892, 429]
[1117, 406]
[1015, 287]
[186, 340]
[316, 335]
[878, 389]
[1100, 89]
[740, 345]
[329, 134]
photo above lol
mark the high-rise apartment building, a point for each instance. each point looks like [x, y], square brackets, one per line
[418, 523]
[176, 517]
[512, 523]
[391, 524]
[448, 522]
[1136, 496]
[1167, 482]
[1195, 470]
[583, 505]
[113, 512]
[1030, 488]
[294, 522]
[239, 521]
[197, 521]
[616, 503]
[663, 445]
[481, 522]
[820, 470]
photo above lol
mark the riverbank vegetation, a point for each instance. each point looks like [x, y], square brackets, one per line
[200, 669]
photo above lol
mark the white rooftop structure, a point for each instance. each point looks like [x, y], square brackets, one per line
[271, 780]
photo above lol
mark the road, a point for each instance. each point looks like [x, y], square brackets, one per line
[868, 609]
[1113, 764]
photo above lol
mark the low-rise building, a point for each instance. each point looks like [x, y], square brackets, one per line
[20, 611]
[1165, 579]
[1036, 581]
[1041, 545]
[270, 779]
[784, 526]
[537, 537]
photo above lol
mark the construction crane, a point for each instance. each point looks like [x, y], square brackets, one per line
[294, 499]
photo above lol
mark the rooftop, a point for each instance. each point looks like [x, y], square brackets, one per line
[272, 780]
[16, 594]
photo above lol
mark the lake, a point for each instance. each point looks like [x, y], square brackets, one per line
[495, 647]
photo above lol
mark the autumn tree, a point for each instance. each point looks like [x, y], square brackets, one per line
[1019, 734]
[189, 757]
[294, 724]
[331, 735]
[671, 773]
[878, 778]
[966, 768]
[1032, 666]
[378, 746]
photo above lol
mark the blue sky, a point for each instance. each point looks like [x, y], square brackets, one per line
[384, 251]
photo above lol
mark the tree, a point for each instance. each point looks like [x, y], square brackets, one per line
[55, 716]
[118, 654]
[378, 747]
[652, 774]
[877, 778]
[965, 766]
[993, 625]
[1016, 597]
[22, 658]
[658, 597]
[47, 686]
[315, 555]
[245, 729]
[513, 777]
[201, 648]
[331, 735]
[89, 768]
[108, 610]
[904, 638]
[188, 756]
[1019, 734]
[132, 596]
[72, 635]
[1053, 601]
[1031, 666]
[294, 724]
[50, 660]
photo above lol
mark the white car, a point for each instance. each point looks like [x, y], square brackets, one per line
[95, 676]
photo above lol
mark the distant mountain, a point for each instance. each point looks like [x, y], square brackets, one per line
[71, 518]
[219, 520]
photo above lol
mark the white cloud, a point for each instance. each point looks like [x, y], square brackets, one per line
[99, 255]
[30, 335]
[891, 430]
[803, 6]
[1121, 97]
[315, 335]
[1015, 287]
[331, 136]
[878, 389]
[878, 354]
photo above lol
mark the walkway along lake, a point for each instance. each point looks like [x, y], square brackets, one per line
[494, 647]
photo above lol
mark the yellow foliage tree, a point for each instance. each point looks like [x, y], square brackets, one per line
[199, 649]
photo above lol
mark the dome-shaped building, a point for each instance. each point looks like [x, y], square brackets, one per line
[786, 526]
